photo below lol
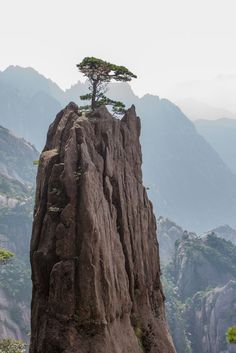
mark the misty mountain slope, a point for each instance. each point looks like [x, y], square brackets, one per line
[225, 232]
[188, 181]
[216, 256]
[211, 309]
[218, 91]
[73, 93]
[167, 234]
[17, 182]
[17, 178]
[27, 103]
[16, 157]
[221, 135]
[200, 289]
[195, 109]
[29, 82]
[16, 207]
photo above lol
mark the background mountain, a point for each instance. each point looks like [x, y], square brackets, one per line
[226, 233]
[16, 157]
[200, 287]
[221, 135]
[168, 232]
[195, 110]
[188, 181]
[28, 103]
[29, 82]
[217, 92]
[17, 179]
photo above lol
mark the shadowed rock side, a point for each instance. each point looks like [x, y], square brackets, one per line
[94, 254]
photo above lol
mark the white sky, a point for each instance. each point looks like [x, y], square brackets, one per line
[162, 41]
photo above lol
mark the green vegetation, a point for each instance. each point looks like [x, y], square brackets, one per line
[221, 253]
[5, 254]
[99, 74]
[231, 334]
[9, 345]
[136, 323]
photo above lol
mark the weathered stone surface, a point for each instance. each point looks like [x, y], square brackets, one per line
[94, 254]
[200, 287]
[201, 263]
[209, 316]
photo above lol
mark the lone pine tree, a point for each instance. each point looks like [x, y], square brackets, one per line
[99, 74]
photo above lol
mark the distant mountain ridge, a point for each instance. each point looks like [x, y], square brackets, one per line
[17, 179]
[27, 103]
[195, 110]
[218, 92]
[188, 181]
[221, 135]
[16, 157]
[29, 82]
[225, 232]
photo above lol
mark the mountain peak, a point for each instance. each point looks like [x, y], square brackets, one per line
[29, 81]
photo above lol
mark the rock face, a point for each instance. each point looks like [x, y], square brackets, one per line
[200, 289]
[94, 254]
[209, 316]
[201, 263]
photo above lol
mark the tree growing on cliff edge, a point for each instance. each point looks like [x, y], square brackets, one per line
[5, 255]
[231, 334]
[99, 74]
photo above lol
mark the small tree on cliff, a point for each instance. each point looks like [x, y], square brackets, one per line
[99, 74]
[231, 334]
[5, 255]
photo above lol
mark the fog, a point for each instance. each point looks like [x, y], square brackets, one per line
[163, 42]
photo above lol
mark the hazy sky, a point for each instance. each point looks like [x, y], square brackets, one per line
[162, 41]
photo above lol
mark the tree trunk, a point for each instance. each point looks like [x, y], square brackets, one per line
[94, 93]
